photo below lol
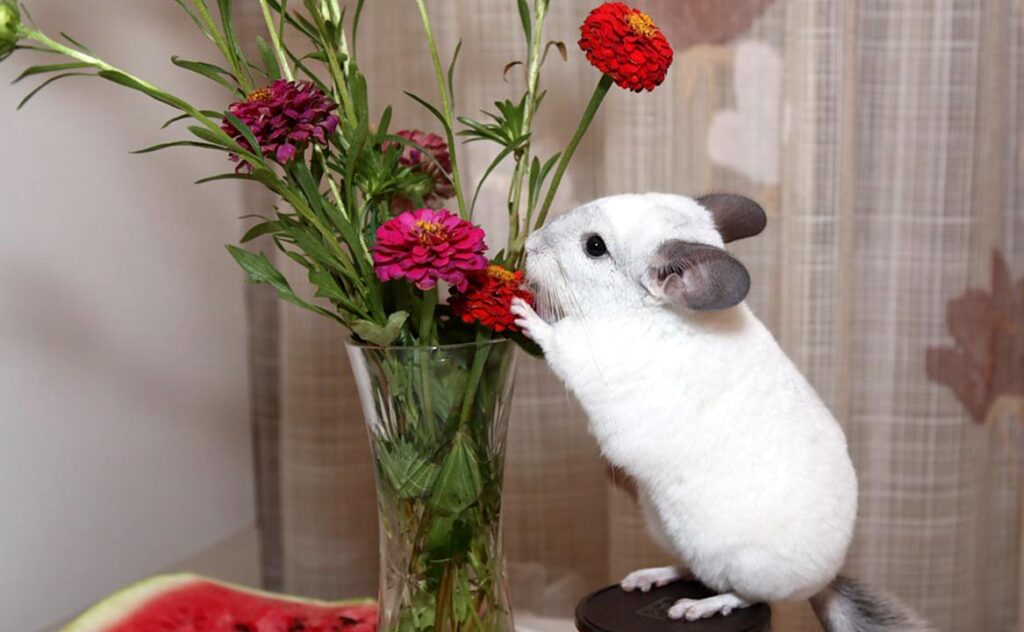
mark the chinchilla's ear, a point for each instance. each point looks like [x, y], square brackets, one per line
[736, 217]
[697, 276]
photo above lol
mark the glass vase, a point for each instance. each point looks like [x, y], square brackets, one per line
[437, 419]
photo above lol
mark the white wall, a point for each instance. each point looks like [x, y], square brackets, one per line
[124, 438]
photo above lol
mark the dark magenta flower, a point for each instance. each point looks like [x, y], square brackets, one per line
[436, 170]
[425, 246]
[285, 117]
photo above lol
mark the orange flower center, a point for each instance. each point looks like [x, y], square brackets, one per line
[430, 232]
[258, 95]
[500, 273]
[641, 24]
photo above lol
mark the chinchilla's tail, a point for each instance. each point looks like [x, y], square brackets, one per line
[848, 606]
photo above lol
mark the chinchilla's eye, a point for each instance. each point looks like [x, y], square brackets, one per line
[595, 246]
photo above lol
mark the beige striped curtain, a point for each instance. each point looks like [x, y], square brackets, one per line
[885, 139]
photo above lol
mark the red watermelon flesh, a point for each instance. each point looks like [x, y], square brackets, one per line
[189, 603]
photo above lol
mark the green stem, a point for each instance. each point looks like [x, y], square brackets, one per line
[146, 87]
[427, 317]
[275, 39]
[479, 361]
[523, 160]
[426, 326]
[588, 116]
[446, 108]
[237, 65]
[341, 84]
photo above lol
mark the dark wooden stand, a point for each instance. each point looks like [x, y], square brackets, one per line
[615, 610]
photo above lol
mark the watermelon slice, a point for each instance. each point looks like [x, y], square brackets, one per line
[190, 603]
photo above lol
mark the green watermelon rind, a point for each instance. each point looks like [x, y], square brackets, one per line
[127, 601]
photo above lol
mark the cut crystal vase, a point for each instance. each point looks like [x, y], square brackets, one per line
[437, 419]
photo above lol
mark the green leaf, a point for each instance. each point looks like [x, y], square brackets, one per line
[175, 119]
[381, 336]
[385, 123]
[509, 66]
[356, 145]
[541, 177]
[310, 75]
[494, 164]
[327, 286]
[270, 63]
[225, 176]
[195, 18]
[220, 138]
[400, 140]
[298, 22]
[451, 71]
[74, 42]
[37, 49]
[244, 130]
[360, 93]
[181, 117]
[562, 50]
[126, 80]
[355, 26]
[448, 537]
[310, 191]
[210, 71]
[310, 242]
[524, 16]
[430, 108]
[39, 88]
[462, 595]
[179, 143]
[459, 482]
[263, 228]
[406, 471]
[42, 70]
[260, 270]
[230, 37]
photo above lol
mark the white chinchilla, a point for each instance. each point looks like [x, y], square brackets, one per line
[743, 472]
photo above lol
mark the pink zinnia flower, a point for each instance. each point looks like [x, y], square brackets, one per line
[428, 245]
[284, 117]
[437, 169]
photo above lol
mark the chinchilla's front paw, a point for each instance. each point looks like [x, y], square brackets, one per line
[535, 327]
[647, 578]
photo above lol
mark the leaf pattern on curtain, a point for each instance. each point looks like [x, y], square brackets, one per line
[898, 174]
[985, 367]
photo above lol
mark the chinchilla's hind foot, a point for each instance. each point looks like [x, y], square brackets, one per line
[693, 609]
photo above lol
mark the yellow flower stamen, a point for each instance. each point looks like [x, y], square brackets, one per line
[262, 94]
[429, 232]
[641, 24]
[500, 273]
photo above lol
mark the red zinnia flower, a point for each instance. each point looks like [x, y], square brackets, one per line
[488, 299]
[284, 117]
[624, 44]
[441, 188]
[425, 246]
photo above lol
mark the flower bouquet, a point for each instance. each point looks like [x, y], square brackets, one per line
[363, 211]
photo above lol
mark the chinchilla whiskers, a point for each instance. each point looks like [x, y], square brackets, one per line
[549, 289]
[550, 305]
[578, 311]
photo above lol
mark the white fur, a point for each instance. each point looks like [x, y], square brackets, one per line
[744, 470]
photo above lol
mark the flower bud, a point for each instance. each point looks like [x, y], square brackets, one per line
[10, 22]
